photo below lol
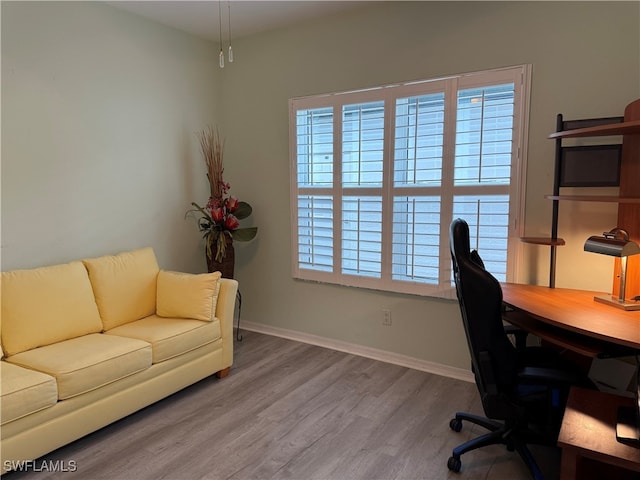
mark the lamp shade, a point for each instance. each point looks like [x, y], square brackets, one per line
[615, 243]
[611, 246]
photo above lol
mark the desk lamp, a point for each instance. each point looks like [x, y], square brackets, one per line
[617, 244]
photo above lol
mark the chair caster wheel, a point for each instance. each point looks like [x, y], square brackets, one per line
[454, 464]
[455, 425]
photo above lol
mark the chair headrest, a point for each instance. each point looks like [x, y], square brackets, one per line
[460, 243]
[459, 239]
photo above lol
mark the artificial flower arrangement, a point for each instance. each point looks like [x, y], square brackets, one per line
[221, 215]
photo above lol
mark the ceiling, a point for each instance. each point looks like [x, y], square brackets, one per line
[200, 18]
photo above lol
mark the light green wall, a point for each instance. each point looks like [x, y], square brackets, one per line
[99, 152]
[586, 62]
[99, 110]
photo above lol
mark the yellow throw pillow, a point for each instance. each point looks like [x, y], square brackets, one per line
[124, 285]
[187, 295]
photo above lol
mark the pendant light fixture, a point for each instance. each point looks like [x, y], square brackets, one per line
[230, 49]
[230, 57]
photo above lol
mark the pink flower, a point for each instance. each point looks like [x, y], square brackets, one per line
[231, 204]
[231, 223]
[213, 203]
[217, 214]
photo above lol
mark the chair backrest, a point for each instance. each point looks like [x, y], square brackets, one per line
[493, 356]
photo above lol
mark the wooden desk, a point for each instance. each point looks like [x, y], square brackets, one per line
[588, 438]
[572, 319]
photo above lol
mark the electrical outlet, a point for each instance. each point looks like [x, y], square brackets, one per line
[386, 317]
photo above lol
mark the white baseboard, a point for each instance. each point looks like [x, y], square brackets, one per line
[368, 352]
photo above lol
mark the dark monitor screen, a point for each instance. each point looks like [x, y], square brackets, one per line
[591, 166]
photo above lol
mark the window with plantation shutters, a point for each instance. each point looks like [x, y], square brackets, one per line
[377, 176]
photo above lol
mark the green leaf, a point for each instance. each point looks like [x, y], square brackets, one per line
[202, 211]
[243, 211]
[244, 234]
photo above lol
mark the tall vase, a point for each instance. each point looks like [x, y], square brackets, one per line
[226, 266]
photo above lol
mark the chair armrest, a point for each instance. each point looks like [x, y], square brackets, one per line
[519, 334]
[550, 375]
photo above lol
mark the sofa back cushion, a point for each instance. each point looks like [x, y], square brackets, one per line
[46, 305]
[186, 295]
[124, 285]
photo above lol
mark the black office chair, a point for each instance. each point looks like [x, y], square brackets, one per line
[523, 390]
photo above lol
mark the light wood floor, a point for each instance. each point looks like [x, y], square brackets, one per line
[294, 411]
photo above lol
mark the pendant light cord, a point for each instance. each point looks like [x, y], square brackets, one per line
[221, 54]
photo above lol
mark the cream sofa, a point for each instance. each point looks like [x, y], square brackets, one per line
[89, 342]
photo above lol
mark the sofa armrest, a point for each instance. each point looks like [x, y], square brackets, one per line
[225, 309]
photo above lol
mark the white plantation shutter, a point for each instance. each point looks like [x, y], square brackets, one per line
[362, 144]
[416, 239]
[378, 175]
[484, 132]
[362, 179]
[483, 155]
[417, 168]
[314, 176]
[314, 132]
[488, 219]
[315, 232]
[419, 140]
[362, 236]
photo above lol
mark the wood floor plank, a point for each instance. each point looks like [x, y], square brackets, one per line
[295, 411]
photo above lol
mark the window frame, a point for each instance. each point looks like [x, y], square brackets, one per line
[520, 75]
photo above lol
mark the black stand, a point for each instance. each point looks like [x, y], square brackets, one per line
[239, 299]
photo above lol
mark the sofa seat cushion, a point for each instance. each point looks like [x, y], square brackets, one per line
[170, 337]
[24, 391]
[86, 363]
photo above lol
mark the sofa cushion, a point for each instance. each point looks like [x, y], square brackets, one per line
[24, 391]
[46, 305]
[1, 350]
[86, 363]
[185, 295]
[124, 285]
[170, 337]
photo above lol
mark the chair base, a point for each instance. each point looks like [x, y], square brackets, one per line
[499, 433]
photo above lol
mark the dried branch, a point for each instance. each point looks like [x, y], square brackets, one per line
[213, 150]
